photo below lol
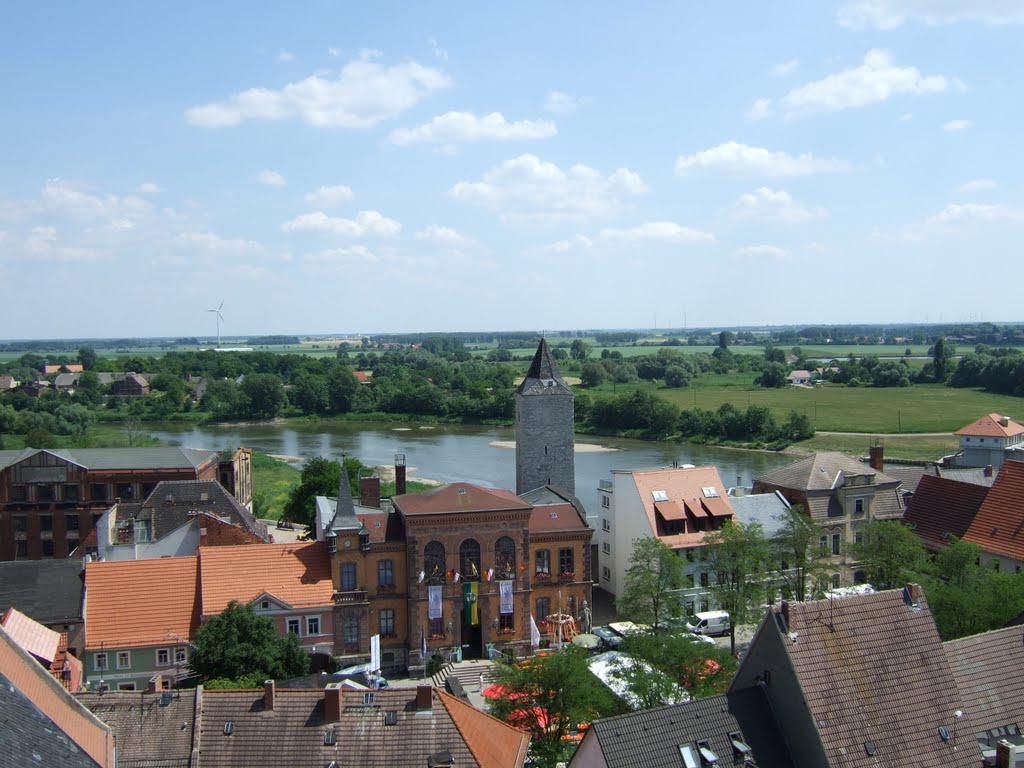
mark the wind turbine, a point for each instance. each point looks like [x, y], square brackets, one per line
[219, 318]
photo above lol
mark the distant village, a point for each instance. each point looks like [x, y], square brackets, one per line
[407, 607]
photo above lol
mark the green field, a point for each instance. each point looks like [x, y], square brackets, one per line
[917, 447]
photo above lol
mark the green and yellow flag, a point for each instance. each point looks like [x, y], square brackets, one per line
[470, 593]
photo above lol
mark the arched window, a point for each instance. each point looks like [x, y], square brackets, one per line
[505, 558]
[469, 560]
[434, 562]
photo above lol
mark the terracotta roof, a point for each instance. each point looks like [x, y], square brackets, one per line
[820, 471]
[942, 508]
[685, 487]
[458, 498]
[550, 518]
[992, 425]
[652, 737]
[989, 671]
[871, 668]
[998, 528]
[292, 733]
[29, 729]
[150, 730]
[31, 635]
[72, 367]
[134, 603]
[298, 575]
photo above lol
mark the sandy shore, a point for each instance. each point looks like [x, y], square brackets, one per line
[580, 447]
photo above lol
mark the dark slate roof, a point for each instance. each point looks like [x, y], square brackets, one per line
[147, 733]
[766, 509]
[49, 591]
[872, 669]
[652, 738]
[989, 671]
[976, 475]
[119, 458]
[942, 508]
[818, 472]
[173, 503]
[909, 475]
[30, 738]
[543, 377]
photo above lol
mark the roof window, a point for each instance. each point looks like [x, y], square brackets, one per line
[229, 728]
[740, 749]
[689, 759]
[707, 757]
[330, 737]
[710, 492]
[659, 495]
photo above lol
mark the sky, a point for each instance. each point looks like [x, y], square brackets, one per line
[334, 167]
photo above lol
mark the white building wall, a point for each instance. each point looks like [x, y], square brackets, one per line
[178, 543]
[629, 522]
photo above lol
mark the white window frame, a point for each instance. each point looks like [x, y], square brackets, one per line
[606, 524]
[309, 630]
[298, 626]
[606, 502]
[101, 662]
[127, 655]
[606, 573]
[606, 548]
[165, 653]
[181, 655]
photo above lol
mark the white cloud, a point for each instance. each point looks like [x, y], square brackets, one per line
[271, 179]
[562, 103]
[742, 159]
[529, 189]
[446, 236]
[967, 212]
[955, 126]
[890, 14]
[762, 252]
[150, 188]
[437, 50]
[459, 127]
[284, 55]
[333, 51]
[774, 205]
[366, 224]
[213, 243]
[341, 257]
[364, 93]
[665, 232]
[978, 185]
[329, 196]
[42, 244]
[906, 117]
[64, 197]
[785, 68]
[876, 80]
[578, 242]
[760, 110]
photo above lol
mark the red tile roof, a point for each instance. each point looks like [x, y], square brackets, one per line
[549, 518]
[459, 497]
[296, 574]
[46, 645]
[492, 742]
[941, 508]
[72, 367]
[683, 486]
[134, 603]
[998, 528]
[992, 426]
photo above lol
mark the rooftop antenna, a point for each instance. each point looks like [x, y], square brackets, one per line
[219, 318]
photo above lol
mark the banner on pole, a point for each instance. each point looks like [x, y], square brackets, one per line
[505, 588]
[470, 595]
[434, 601]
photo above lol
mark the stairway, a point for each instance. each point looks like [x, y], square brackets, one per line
[467, 673]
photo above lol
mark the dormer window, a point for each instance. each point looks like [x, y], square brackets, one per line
[364, 539]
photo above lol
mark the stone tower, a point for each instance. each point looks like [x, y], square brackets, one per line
[544, 428]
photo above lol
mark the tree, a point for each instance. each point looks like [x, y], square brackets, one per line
[87, 357]
[653, 575]
[737, 556]
[941, 354]
[773, 375]
[800, 559]
[239, 643]
[548, 696]
[889, 553]
[309, 394]
[684, 660]
[677, 376]
[592, 374]
[341, 389]
[579, 349]
[320, 477]
[725, 339]
[774, 355]
[263, 395]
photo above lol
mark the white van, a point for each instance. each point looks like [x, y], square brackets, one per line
[709, 623]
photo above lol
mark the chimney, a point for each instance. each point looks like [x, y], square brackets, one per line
[1004, 421]
[268, 695]
[1006, 754]
[988, 471]
[424, 698]
[369, 492]
[155, 684]
[876, 456]
[399, 474]
[913, 593]
[785, 613]
[332, 705]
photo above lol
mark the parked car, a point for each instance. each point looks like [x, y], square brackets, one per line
[709, 623]
[609, 640]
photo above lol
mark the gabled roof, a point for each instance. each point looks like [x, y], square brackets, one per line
[41, 718]
[766, 509]
[458, 498]
[989, 671]
[131, 603]
[150, 730]
[543, 377]
[293, 733]
[72, 367]
[652, 737]
[871, 668]
[822, 471]
[31, 635]
[683, 486]
[298, 575]
[991, 425]
[998, 528]
[50, 591]
[555, 511]
[942, 508]
[119, 458]
[173, 503]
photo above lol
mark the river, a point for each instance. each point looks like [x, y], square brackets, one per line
[458, 453]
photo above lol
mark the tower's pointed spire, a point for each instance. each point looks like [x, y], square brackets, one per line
[543, 370]
[345, 509]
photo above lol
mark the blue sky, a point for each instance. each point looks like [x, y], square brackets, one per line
[342, 167]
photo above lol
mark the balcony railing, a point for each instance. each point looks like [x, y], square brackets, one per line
[351, 596]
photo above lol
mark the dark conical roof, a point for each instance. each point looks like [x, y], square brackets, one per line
[543, 371]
